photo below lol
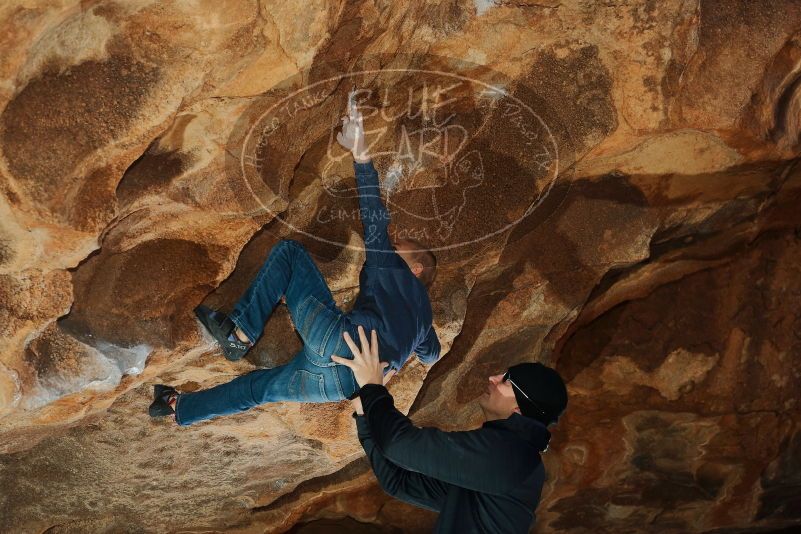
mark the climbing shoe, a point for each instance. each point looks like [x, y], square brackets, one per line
[221, 328]
[161, 401]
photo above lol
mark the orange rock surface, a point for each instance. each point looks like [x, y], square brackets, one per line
[611, 188]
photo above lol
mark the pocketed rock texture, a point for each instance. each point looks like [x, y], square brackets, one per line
[623, 203]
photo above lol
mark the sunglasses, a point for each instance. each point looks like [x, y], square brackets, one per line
[508, 378]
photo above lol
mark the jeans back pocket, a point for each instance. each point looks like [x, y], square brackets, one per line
[318, 325]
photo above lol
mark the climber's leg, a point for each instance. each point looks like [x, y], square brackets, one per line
[311, 376]
[238, 395]
[289, 271]
[300, 380]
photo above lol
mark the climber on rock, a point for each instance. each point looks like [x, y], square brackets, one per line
[393, 298]
[484, 480]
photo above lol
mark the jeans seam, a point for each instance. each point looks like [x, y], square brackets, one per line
[290, 389]
[335, 372]
[319, 378]
[320, 365]
[252, 400]
[338, 383]
[321, 384]
[327, 335]
[309, 320]
[302, 306]
[263, 272]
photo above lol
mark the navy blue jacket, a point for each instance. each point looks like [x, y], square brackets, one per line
[392, 300]
[487, 480]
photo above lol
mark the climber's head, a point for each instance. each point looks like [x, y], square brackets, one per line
[420, 260]
[529, 389]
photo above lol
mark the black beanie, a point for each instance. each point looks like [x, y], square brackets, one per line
[544, 387]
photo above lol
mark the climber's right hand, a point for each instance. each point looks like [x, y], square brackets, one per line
[352, 135]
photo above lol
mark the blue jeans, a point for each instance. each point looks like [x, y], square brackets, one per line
[311, 376]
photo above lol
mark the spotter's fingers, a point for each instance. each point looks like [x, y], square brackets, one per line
[374, 342]
[353, 348]
[363, 339]
[342, 361]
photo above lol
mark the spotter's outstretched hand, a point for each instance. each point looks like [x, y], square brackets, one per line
[366, 367]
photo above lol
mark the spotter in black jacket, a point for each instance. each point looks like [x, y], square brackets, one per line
[487, 480]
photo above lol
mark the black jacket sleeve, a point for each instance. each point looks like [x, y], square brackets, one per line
[407, 486]
[480, 460]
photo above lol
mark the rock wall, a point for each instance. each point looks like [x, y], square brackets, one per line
[622, 203]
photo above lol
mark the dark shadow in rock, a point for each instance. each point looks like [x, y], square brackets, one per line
[483, 299]
[345, 525]
[698, 314]
[64, 114]
[151, 173]
[496, 359]
[277, 345]
[781, 483]
[554, 257]
[7, 253]
[141, 295]
[351, 471]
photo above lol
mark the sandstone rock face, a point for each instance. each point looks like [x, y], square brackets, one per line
[610, 188]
